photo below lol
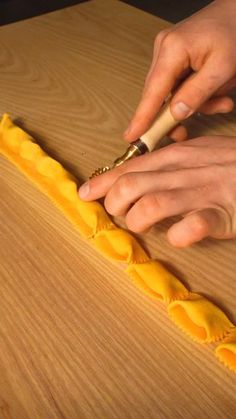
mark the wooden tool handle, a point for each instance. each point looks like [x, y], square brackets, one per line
[161, 126]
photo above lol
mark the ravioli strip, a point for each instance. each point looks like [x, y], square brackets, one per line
[199, 318]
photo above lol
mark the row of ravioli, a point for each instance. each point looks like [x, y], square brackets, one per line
[203, 321]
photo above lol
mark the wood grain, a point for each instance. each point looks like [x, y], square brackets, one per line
[77, 339]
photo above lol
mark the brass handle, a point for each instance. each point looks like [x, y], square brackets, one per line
[148, 141]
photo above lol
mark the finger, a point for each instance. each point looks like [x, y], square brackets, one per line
[189, 154]
[217, 105]
[130, 187]
[199, 87]
[157, 45]
[226, 87]
[157, 206]
[179, 133]
[167, 157]
[98, 187]
[195, 227]
[164, 75]
[183, 76]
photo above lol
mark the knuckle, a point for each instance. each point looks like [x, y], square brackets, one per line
[125, 184]
[148, 210]
[199, 225]
[159, 38]
[109, 205]
[172, 39]
[149, 205]
[157, 41]
[177, 148]
[175, 151]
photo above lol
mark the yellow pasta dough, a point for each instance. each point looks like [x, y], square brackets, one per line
[199, 318]
[195, 315]
[226, 351]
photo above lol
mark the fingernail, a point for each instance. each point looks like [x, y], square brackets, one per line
[181, 110]
[84, 190]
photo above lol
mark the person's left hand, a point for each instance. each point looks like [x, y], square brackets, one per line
[194, 179]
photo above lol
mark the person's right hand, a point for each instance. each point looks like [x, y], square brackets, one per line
[204, 43]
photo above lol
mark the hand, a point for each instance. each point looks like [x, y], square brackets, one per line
[204, 43]
[195, 179]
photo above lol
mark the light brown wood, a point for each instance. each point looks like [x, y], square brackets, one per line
[77, 339]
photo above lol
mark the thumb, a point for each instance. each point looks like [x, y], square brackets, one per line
[196, 226]
[199, 87]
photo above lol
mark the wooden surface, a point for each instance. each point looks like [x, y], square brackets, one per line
[77, 339]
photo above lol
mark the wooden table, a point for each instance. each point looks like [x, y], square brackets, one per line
[77, 339]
